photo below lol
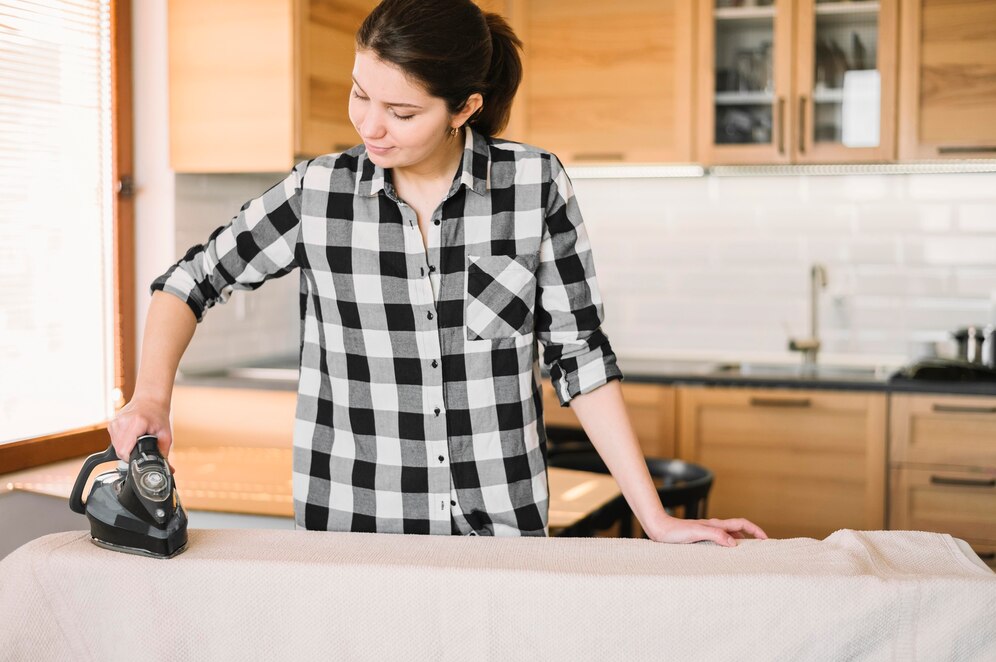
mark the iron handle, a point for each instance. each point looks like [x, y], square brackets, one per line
[963, 409]
[780, 402]
[76, 497]
[780, 124]
[963, 482]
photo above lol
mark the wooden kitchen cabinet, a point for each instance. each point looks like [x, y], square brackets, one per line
[796, 81]
[210, 416]
[606, 82]
[650, 408]
[947, 96]
[259, 88]
[795, 462]
[943, 467]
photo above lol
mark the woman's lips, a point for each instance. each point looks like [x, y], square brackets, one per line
[378, 150]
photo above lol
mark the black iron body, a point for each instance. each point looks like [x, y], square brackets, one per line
[134, 510]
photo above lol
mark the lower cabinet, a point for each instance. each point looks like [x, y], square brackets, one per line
[650, 408]
[942, 470]
[799, 463]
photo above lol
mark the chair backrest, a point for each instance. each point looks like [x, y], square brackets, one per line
[682, 484]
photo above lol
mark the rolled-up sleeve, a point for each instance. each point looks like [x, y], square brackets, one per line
[256, 245]
[569, 307]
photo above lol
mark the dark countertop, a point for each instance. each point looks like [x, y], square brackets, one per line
[280, 373]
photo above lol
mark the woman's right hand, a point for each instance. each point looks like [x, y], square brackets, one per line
[138, 417]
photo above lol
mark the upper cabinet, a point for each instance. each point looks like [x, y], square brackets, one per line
[606, 81]
[948, 79]
[804, 81]
[257, 89]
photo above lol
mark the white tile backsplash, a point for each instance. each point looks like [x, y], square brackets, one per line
[712, 265]
[910, 257]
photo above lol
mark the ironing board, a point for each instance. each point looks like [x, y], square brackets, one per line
[302, 595]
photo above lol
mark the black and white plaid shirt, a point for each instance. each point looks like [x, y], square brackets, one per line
[419, 407]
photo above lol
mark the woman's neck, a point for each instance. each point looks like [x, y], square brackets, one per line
[436, 168]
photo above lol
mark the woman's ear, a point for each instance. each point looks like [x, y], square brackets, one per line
[474, 104]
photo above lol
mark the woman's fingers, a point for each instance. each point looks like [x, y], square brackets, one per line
[740, 526]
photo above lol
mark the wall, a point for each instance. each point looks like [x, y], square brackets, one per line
[721, 264]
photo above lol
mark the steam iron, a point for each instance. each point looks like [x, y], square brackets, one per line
[134, 509]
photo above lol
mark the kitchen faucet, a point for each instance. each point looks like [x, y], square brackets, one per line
[810, 346]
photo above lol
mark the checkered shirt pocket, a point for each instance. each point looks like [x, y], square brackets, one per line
[501, 295]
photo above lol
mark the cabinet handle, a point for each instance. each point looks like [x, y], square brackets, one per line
[986, 556]
[341, 147]
[963, 482]
[965, 149]
[780, 402]
[802, 125]
[599, 156]
[780, 125]
[963, 409]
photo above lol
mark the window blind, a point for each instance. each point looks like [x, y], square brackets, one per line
[56, 216]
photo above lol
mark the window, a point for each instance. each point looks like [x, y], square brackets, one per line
[64, 229]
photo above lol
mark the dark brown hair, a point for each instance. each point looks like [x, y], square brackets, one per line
[452, 49]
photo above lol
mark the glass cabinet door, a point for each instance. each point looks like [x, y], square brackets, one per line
[744, 79]
[846, 104]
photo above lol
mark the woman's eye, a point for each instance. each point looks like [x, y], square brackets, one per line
[404, 117]
[357, 95]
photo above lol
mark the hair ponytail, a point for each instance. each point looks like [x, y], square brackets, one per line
[453, 49]
[503, 77]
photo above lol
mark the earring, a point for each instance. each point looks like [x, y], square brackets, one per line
[453, 131]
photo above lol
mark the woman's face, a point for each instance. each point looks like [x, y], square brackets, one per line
[400, 123]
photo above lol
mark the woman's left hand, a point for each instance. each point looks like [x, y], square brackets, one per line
[723, 532]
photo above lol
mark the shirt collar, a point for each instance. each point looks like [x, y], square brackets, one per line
[475, 168]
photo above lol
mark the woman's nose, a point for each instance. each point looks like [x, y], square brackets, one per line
[372, 125]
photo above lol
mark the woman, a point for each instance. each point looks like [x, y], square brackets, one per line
[431, 258]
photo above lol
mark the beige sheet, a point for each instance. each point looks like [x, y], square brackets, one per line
[301, 595]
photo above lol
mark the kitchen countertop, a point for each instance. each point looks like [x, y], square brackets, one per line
[257, 481]
[280, 373]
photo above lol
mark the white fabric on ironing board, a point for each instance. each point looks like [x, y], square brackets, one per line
[302, 595]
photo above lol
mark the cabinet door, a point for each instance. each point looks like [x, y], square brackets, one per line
[947, 96]
[797, 463]
[231, 86]
[609, 81]
[943, 430]
[961, 503]
[744, 81]
[845, 81]
[326, 45]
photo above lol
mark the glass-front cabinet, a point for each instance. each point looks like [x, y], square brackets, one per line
[796, 81]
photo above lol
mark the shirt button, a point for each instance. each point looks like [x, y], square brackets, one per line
[432, 269]
[441, 458]
[428, 315]
[436, 411]
[452, 503]
[435, 363]
[436, 221]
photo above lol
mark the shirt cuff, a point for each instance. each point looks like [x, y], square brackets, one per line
[577, 374]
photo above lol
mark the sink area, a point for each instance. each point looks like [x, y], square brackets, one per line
[799, 371]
